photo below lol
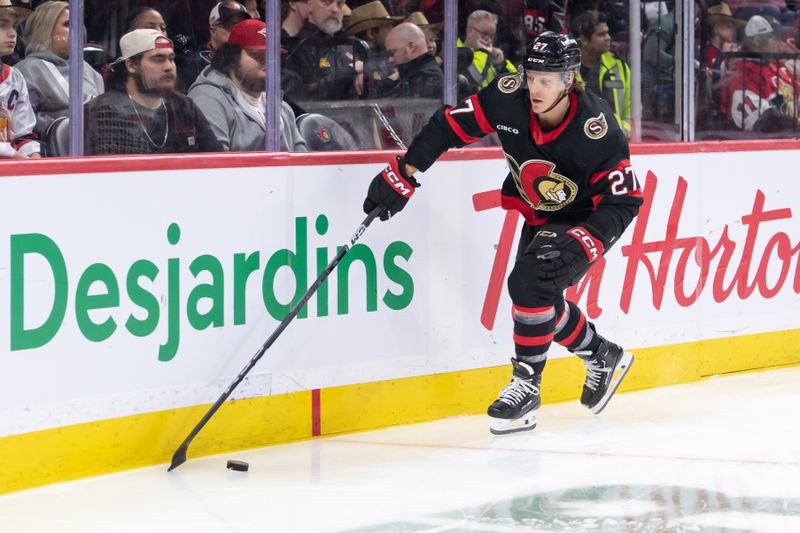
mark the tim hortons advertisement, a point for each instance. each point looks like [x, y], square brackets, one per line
[134, 292]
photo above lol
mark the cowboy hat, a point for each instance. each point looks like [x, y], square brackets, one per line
[419, 19]
[370, 15]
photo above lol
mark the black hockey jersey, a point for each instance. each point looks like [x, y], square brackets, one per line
[577, 173]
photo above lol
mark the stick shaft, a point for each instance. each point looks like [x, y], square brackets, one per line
[179, 457]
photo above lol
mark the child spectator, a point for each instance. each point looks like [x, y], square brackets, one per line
[17, 120]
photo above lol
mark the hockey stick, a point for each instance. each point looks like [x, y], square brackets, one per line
[179, 457]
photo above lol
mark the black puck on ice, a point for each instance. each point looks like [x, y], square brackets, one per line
[239, 466]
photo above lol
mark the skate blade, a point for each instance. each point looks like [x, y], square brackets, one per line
[623, 366]
[501, 426]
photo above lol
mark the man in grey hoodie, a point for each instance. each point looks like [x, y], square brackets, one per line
[230, 93]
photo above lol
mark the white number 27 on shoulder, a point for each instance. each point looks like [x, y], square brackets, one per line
[623, 181]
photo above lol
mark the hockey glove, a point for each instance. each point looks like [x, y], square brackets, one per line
[391, 188]
[567, 256]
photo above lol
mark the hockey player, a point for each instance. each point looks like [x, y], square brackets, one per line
[17, 120]
[572, 181]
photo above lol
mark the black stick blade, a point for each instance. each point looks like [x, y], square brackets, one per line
[178, 458]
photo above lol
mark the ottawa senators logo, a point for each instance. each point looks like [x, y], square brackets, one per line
[510, 83]
[324, 135]
[540, 186]
[596, 127]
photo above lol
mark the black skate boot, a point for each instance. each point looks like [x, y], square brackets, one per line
[605, 369]
[515, 407]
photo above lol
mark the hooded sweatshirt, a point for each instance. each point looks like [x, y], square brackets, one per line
[47, 76]
[238, 126]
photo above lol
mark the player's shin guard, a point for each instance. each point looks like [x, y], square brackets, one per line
[605, 369]
[516, 405]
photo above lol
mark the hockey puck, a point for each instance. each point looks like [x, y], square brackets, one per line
[239, 466]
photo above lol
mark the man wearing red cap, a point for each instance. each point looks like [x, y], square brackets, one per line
[142, 113]
[230, 93]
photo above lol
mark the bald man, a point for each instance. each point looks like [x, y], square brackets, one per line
[418, 74]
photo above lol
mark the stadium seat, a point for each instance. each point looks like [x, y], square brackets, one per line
[56, 138]
[322, 133]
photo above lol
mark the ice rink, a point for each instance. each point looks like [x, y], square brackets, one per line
[719, 455]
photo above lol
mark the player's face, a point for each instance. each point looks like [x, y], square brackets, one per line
[544, 88]
[8, 35]
[251, 73]
[327, 15]
[60, 36]
[157, 72]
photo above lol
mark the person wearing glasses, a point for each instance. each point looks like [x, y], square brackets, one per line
[488, 62]
[230, 93]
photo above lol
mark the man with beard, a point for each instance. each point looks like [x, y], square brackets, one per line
[230, 93]
[321, 64]
[142, 113]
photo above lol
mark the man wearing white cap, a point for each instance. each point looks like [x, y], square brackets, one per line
[17, 119]
[759, 93]
[230, 93]
[143, 114]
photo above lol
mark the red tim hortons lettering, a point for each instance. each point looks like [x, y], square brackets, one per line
[656, 256]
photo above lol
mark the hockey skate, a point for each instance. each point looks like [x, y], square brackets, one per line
[515, 407]
[605, 370]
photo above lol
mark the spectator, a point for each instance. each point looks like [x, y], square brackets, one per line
[230, 93]
[146, 18]
[488, 62]
[17, 119]
[430, 30]
[321, 63]
[372, 23]
[222, 18]
[142, 113]
[605, 74]
[722, 34]
[658, 63]
[294, 14]
[419, 75]
[46, 69]
[758, 93]
[540, 16]
[777, 9]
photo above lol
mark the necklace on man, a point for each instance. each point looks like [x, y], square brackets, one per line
[144, 129]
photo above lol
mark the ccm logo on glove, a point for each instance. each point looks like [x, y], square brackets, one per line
[400, 185]
[591, 246]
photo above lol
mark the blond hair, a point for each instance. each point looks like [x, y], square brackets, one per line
[39, 26]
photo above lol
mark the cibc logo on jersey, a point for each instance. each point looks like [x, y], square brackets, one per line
[540, 186]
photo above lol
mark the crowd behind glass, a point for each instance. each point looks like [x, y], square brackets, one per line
[164, 76]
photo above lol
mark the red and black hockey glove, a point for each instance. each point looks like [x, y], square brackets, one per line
[567, 256]
[391, 188]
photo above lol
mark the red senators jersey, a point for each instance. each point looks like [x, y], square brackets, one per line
[750, 88]
[579, 172]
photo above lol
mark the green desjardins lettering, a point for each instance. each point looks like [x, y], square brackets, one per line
[101, 288]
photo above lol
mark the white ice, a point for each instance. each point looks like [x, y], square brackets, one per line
[719, 455]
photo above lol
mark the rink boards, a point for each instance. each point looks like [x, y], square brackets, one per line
[133, 290]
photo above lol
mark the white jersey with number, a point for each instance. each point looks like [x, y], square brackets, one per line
[14, 100]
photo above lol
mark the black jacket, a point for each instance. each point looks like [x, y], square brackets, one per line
[318, 66]
[577, 173]
[419, 78]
